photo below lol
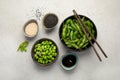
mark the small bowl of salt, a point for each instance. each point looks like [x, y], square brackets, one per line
[31, 28]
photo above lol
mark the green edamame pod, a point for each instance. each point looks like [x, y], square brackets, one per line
[71, 35]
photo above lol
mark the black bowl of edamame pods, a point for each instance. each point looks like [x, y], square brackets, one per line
[72, 35]
[44, 52]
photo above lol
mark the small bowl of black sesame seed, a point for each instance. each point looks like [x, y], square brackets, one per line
[50, 21]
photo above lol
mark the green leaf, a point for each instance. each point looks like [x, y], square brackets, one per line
[23, 46]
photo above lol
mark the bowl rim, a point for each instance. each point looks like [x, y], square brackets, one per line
[60, 30]
[32, 51]
[44, 20]
[30, 21]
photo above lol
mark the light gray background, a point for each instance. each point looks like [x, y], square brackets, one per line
[19, 66]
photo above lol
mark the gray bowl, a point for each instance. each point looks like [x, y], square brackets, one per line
[47, 17]
[30, 21]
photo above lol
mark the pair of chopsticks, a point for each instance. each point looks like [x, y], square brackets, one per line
[85, 30]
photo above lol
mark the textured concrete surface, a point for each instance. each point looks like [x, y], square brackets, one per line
[19, 66]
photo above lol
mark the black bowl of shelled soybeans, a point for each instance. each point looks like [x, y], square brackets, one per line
[44, 52]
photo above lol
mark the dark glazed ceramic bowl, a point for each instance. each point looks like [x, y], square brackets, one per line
[72, 17]
[33, 53]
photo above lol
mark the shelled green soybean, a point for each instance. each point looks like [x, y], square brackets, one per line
[45, 52]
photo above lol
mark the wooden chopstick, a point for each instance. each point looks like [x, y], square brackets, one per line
[84, 28]
[93, 38]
